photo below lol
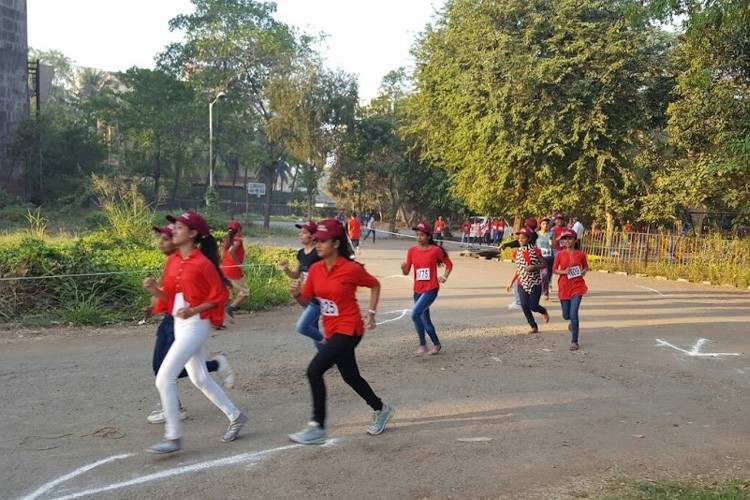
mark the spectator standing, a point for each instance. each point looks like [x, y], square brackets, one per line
[355, 231]
[439, 229]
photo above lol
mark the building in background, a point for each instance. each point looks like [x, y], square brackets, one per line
[14, 82]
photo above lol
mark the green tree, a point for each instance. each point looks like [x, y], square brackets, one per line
[534, 105]
[315, 108]
[237, 46]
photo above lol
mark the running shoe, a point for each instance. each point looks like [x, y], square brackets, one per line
[234, 428]
[515, 306]
[574, 346]
[226, 372]
[312, 434]
[422, 350]
[157, 416]
[435, 349]
[166, 446]
[545, 315]
[379, 419]
[230, 313]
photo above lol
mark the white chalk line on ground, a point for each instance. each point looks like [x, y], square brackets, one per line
[695, 351]
[401, 313]
[252, 457]
[650, 289]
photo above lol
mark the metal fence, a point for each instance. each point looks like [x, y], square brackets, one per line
[665, 248]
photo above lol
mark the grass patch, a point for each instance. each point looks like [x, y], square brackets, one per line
[719, 490]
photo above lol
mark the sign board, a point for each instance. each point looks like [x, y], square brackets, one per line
[256, 188]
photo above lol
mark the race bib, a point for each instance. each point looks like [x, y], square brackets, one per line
[546, 252]
[574, 272]
[328, 308]
[423, 274]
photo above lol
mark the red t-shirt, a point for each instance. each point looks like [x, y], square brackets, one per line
[558, 231]
[439, 225]
[355, 229]
[465, 228]
[229, 267]
[198, 280]
[573, 283]
[337, 292]
[425, 262]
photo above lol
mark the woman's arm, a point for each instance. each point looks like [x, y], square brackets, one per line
[374, 299]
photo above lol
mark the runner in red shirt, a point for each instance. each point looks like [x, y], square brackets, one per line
[195, 292]
[334, 281]
[425, 257]
[571, 266]
[529, 264]
[355, 231]
[231, 266]
[439, 230]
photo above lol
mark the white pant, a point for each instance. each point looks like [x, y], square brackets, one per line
[189, 336]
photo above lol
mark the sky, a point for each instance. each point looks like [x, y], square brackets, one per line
[365, 37]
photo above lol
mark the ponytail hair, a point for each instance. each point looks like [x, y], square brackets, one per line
[431, 241]
[345, 247]
[210, 248]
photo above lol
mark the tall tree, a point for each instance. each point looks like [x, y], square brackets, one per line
[315, 108]
[534, 105]
[237, 46]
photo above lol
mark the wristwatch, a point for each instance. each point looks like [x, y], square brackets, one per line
[372, 311]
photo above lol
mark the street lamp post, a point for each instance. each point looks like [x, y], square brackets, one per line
[220, 95]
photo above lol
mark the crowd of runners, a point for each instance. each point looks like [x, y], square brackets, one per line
[194, 296]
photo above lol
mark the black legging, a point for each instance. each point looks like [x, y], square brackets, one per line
[338, 350]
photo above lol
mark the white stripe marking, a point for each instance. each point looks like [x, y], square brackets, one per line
[696, 349]
[252, 457]
[399, 276]
[403, 312]
[71, 475]
[651, 289]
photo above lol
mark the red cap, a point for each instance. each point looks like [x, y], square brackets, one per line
[328, 229]
[193, 221]
[525, 230]
[309, 226]
[234, 226]
[424, 227]
[531, 223]
[569, 234]
[168, 230]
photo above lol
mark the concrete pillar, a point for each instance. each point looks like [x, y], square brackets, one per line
[14, 87]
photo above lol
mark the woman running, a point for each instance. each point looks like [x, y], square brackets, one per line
[307, 324]
[571, 266]
[425, 257]
[544, 242]
[193, 288]
[334, 281]
[231, 266]
[529, 263]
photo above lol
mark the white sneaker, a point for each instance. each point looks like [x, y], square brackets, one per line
[157, 416]
[515, 306]
[225, 370]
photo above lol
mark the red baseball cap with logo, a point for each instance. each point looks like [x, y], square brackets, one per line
[168, 230]
[569, 234]
[423, 227]
[328, 229]
[309, 226]
[234, 226]
[193, 221]
[531, 223]
[524, 230]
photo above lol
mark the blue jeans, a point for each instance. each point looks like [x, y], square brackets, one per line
[570, 312]
[530, 303]
[420, 315]
[307, 324]
[164, 340]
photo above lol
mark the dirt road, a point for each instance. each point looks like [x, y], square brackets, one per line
[499, 414]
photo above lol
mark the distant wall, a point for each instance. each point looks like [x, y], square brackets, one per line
[14, 93]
